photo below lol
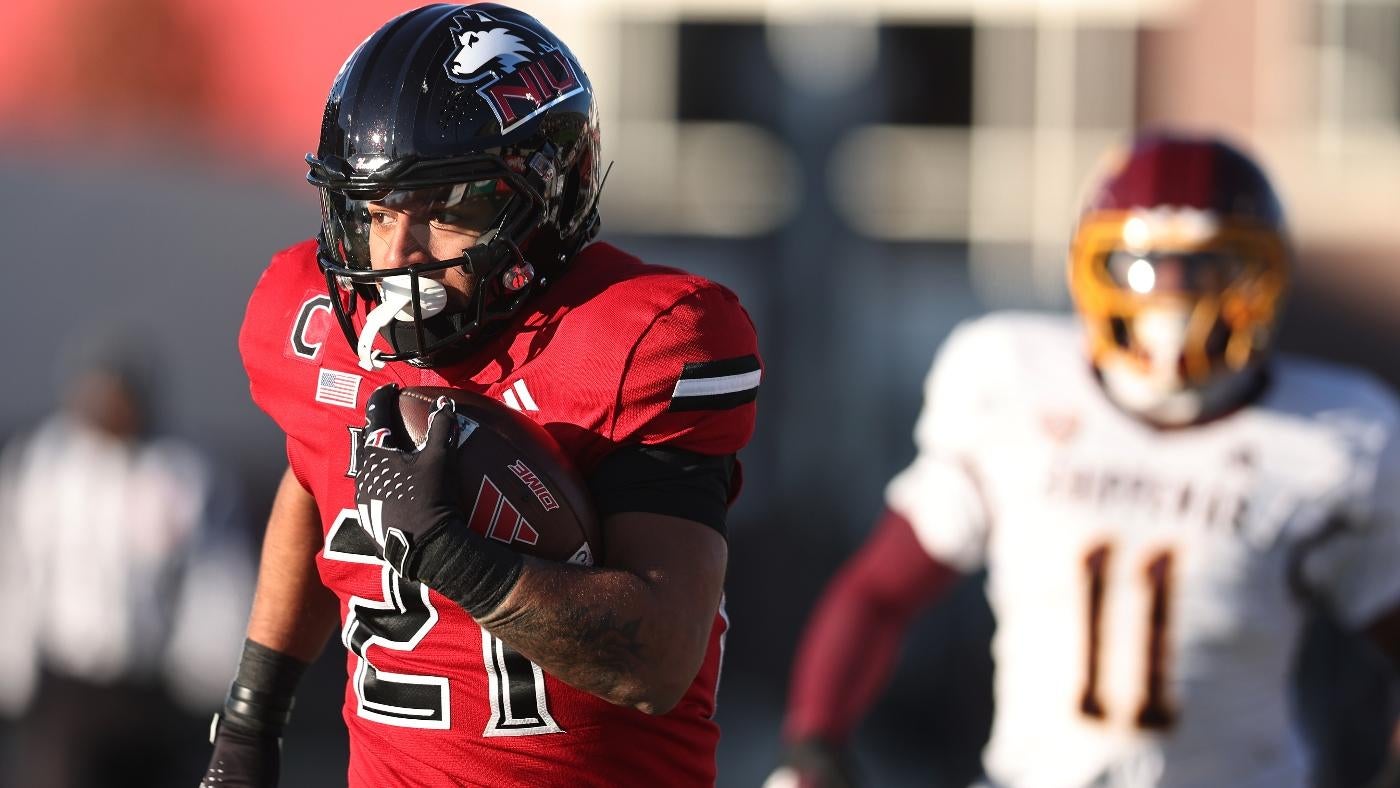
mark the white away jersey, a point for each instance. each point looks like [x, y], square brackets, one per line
[1148, 585]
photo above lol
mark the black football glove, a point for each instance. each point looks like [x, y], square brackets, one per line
[406, 497]
[247, 732]
[242, 758]
[407, 501]
[813, 764]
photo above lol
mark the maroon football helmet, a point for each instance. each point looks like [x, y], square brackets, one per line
[1177, 268]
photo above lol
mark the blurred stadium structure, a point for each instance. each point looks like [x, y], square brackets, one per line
[864, 174]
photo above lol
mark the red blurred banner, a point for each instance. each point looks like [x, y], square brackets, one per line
[246, 80]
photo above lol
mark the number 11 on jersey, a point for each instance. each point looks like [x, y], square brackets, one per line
[1155, 713]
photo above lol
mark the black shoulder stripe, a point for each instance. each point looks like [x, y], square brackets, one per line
[717, 385]
[720, 367]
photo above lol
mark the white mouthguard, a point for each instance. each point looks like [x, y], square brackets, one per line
[397, 304]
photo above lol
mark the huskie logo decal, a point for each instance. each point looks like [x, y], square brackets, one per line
[516, 72]
[479, 47]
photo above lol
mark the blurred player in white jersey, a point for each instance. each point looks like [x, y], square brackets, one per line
[1157, 499]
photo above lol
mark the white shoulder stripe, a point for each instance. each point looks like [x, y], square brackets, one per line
[708, 387]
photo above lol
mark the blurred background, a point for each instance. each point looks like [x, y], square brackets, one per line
[864, 175]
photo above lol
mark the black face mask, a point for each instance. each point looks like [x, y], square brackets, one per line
[403, 338]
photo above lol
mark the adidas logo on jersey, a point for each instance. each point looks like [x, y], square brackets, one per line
[517, 397]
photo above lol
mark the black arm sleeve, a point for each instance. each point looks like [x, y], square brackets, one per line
[664, 480]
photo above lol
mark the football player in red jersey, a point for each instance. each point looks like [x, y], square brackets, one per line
[458, 169]
[1155, 524]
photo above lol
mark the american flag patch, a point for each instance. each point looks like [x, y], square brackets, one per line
[338, 388]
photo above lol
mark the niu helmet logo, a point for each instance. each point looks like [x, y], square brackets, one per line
[516, 72]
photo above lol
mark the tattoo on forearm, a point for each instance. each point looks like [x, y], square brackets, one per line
[613, 640]
[589, 646]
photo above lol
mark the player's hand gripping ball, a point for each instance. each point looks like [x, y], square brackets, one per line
[405, 492]
[442, 458]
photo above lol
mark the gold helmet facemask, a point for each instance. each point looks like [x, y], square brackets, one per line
[1220, 281]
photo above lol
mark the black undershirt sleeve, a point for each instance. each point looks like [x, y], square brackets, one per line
[664, 480]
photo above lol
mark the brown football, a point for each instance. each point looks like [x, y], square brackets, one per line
[517, 485]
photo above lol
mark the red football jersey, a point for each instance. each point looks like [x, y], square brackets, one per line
[615, 352]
